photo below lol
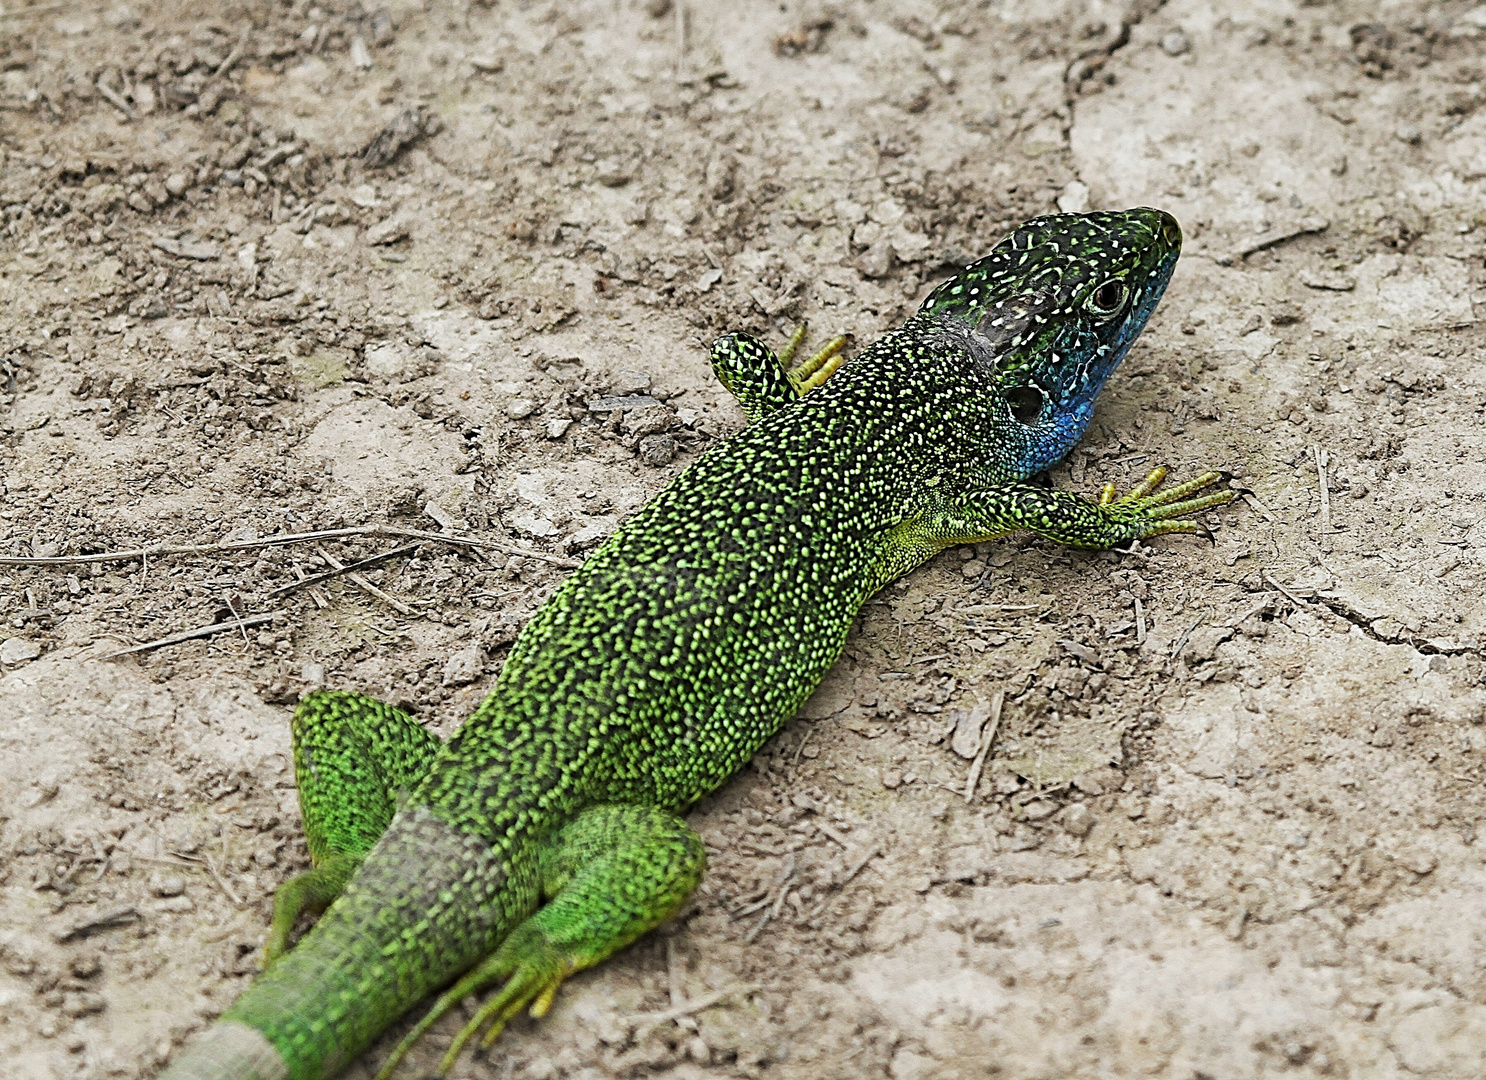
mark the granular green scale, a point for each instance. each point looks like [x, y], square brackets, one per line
[544, 835]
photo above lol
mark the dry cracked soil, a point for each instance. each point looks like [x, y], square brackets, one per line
[274, 267]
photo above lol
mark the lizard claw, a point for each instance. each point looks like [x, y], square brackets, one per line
[532, 968]
[1155, 513]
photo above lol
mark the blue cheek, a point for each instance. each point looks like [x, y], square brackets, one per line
[1072, 424]
[1048, 444]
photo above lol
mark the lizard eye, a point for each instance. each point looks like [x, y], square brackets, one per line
[1026, 403]
[1108, 298]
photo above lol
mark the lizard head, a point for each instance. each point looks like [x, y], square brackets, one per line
[1048, 315]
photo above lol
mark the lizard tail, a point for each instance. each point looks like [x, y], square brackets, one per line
[229, 1051]
[426, 905]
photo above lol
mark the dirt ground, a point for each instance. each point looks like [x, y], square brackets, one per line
[274, 267]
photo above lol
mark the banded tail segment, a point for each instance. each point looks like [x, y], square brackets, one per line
[425, 907]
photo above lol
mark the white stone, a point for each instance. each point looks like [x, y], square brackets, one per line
[534, 525]
[18, 651]
[1443, 1041]
[465, 666]
[1075, 198]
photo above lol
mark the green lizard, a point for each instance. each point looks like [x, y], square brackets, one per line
[545, 834]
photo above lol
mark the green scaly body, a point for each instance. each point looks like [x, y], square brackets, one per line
[543, 836]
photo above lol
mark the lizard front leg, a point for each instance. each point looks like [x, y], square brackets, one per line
[762, 382]
[609, 876]
[354, 758]
[987, 510]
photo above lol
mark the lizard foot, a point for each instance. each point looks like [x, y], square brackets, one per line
[816, 369]
[1151, 513]
[532, 967]
[313, 892]
[610, 874]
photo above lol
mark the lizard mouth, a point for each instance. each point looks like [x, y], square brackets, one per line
[1171, 232]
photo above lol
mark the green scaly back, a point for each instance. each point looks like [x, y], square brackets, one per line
[544, 835]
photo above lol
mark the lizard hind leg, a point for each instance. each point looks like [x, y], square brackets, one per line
[354, 758]
[609, 876]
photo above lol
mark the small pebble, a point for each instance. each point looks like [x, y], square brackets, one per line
[698, 1050]
[892, 778]
[650, 420]
[1408, 133]
[1420, 862]
[170, 886]
[1039, 809]
[1175, 43]
[1078, 819]
[876, 261]
[521, 408]
[558, 426]
[387, 232]
[360, 54]
[465, 666]
[972, 569]
[658, 450]
[611, 174]
[630, 382]
[18, 650]
[83, 1004]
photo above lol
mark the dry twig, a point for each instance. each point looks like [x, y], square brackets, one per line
[645, 1022]
[1322, 460]
[1252, 500]
[856, 868]
[104, 920]
[1297, 601]
[986, 739]
[199, 632]
[370, 560]
[221, 878]
[115, 99]
[779, 891]
[236, 54]
[34, 9]
[280, 541]
[364, 585]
